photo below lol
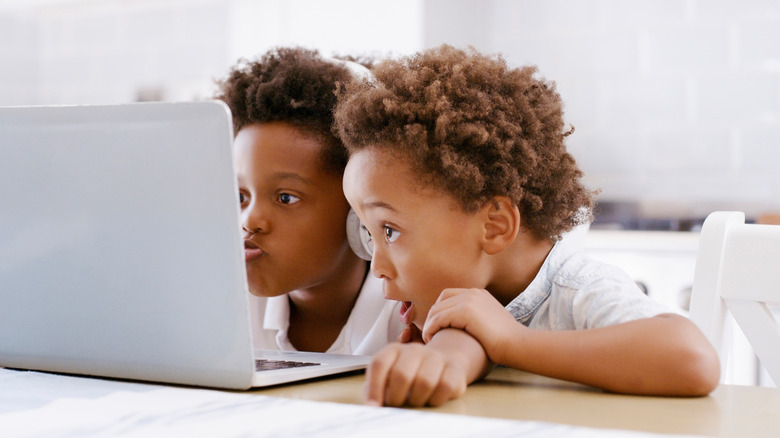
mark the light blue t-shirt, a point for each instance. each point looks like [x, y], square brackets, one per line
[572, 291]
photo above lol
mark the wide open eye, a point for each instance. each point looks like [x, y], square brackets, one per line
[286, 198]
[391, 234]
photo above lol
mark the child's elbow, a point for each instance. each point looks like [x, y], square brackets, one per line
[695, 366]
[700, 371]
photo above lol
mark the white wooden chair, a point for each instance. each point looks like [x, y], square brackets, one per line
[738, 270]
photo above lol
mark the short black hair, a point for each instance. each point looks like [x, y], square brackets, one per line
[293, 85]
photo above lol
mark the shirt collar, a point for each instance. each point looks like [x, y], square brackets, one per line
[526, 303]
[277, 313]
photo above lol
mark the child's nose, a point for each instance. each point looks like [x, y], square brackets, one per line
[380, 263]
[255, 219]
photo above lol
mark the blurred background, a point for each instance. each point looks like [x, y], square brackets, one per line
[676, 103]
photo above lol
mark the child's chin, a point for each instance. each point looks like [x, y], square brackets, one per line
[258, 293]
[265, 291]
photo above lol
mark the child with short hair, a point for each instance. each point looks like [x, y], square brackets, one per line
[316, 294]
[458, 169]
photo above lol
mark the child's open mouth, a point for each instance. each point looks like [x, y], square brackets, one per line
[406, 313]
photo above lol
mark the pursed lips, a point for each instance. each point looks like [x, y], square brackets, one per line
[252, 252]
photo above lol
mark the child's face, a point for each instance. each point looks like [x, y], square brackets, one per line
[423, 241]
[293, 212]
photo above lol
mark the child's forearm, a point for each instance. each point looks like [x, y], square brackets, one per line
[467, 350]
[663, 355]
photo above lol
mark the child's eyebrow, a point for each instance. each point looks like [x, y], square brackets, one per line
[379, 204]
[290, 175]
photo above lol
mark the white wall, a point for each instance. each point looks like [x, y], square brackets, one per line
[334, 27]
[18, 67]
[673, 101]
[110, 51]
[106, 52]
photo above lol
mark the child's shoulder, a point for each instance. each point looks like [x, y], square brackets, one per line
[567, 265]
[578, 270]
[588, 293]
[569, 277]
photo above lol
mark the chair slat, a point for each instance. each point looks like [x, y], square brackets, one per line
[762, 331]
[738, 268]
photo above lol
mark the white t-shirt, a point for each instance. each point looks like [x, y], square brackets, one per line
[373, 323]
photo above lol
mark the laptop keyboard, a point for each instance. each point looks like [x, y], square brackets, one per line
[268, 365]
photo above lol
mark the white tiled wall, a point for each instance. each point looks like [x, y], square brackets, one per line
[332, 26]
[17, 62]
[109, 51]
[676, 101]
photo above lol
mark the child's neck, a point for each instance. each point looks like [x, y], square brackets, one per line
[318, 314]
[516, 267]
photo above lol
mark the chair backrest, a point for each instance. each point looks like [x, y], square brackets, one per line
[738, 271]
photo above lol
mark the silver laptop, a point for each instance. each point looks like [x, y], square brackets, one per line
[120, 249]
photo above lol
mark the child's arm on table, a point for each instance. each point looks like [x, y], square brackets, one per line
[662, 355]
[417, 375]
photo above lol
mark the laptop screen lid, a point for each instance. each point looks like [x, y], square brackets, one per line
[120, 246]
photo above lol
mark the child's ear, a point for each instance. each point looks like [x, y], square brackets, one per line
[501, 221]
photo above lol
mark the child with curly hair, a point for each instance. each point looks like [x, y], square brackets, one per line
[312, 292]
[458, 169]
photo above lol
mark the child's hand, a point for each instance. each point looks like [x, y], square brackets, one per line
[410, 334]
[478, 313]
[415, 375]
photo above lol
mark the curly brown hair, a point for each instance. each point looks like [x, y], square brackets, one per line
[292, 85]
[475, 128]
